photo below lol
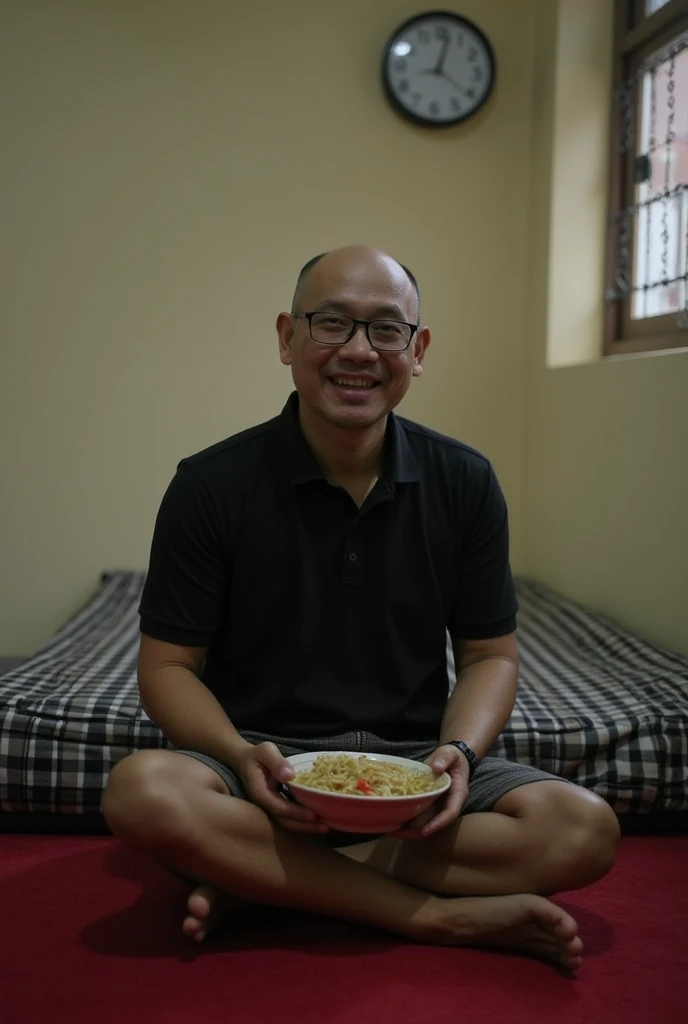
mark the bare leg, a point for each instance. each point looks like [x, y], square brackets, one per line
[484, 854]
[543, 838]
[179, 816]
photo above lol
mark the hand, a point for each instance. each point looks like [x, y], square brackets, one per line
[263, 769]
[448, 808]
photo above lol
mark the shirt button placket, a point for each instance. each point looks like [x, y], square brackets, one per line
[351, 571]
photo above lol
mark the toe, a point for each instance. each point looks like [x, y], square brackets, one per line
[193, 928]
[565, 928]
[201, 901]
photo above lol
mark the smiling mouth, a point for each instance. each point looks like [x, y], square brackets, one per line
[354, 383]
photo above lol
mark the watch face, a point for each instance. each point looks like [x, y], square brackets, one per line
[438, 69]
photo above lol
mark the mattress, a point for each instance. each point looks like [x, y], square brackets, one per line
[596, 705]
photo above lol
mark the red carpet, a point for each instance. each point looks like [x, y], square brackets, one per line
[91, 936]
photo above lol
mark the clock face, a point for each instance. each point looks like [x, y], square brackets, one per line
[438, 69]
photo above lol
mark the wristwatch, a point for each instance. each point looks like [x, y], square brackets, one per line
[469, 754]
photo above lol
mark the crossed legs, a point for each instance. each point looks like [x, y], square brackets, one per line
[540, 838]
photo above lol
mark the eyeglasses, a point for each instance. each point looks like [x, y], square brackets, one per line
[335, 329]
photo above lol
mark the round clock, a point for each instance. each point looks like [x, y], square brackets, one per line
[438, 69]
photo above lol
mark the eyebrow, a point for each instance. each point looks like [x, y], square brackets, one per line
[386, 310]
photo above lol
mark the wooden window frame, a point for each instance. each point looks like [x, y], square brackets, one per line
[635, 37]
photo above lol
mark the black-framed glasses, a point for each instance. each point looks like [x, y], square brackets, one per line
[336, 329]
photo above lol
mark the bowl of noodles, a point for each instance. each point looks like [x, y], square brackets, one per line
[355, 792]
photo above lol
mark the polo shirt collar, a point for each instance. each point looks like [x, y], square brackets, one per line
[400, 465]
[399, 461]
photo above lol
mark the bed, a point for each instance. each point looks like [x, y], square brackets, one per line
[596, 705]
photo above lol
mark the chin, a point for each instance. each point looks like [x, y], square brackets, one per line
[355, 422]
[354, 417]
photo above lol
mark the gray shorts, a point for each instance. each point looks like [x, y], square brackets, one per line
[493, 777]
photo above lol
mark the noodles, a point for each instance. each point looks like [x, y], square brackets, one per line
[362, 776]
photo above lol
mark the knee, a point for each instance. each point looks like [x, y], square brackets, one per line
[587, 841]
[141, 803]
[600, 835]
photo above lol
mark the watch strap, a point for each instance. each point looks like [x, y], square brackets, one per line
[469, 754]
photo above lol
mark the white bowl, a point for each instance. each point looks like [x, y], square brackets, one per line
[363, 813]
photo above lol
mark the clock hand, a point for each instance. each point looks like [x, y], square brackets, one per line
[453, 82]
[443, 56]
[441, 74]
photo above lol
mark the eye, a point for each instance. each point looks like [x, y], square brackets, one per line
[388, 327]
[332, 321]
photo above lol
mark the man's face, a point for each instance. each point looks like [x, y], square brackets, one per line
[352, 386]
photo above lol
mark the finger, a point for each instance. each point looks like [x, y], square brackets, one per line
[423, 827]
[455, 798]
[442, 821]
[421, 819]
[279, 807]
[443, 758]
[271, 757]
[449, 813]
[265, 794]
[412, 829]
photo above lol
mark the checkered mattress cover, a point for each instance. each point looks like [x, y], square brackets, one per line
[596, 705]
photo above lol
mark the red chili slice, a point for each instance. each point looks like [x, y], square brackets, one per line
[364, 786]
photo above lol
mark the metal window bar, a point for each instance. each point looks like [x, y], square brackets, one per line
[628, 222]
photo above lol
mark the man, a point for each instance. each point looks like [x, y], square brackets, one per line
[303, 575]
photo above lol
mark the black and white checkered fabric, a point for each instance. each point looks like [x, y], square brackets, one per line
[595, 705]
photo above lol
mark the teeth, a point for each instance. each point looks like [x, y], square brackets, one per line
[343, 382]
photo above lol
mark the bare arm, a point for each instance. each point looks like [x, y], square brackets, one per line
[485, 692]
[174, 697]
[476, 712]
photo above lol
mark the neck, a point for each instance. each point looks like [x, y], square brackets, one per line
[344, 454]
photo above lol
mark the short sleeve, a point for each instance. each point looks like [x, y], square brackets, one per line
[485, 603]
[187, 579]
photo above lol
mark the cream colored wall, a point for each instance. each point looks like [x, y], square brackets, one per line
[169, 167]
[606, 482]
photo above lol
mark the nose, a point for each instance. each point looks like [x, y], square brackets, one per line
[358, 347]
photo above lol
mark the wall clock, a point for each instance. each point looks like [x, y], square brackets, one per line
[438, 69]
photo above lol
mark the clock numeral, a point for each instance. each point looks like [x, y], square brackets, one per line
[434, 108]
[472, 54]
[455, 105]
[400, 65]
[423, 35]
[477, 74]
[441, 32]
[404, 85]
[470, 93]
[416, 97]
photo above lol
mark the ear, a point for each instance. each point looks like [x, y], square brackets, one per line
[286, 326]
[420, 344]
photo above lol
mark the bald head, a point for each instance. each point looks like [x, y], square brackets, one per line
[352, 262]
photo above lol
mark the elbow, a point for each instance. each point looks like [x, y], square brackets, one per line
[144, 699]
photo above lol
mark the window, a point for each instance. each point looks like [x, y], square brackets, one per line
[647, 292]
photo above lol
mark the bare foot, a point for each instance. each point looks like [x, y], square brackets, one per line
[207, 909]
[525, 923]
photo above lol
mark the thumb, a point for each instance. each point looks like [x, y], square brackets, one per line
[273, 759]
[441, 759]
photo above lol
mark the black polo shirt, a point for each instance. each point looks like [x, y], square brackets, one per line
[320, 617]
